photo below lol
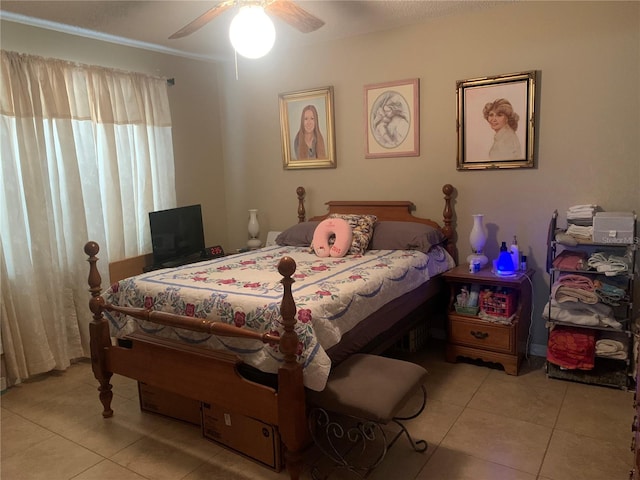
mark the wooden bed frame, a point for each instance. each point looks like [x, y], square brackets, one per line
[191, 371]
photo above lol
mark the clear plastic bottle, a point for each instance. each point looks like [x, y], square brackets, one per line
[515, 253]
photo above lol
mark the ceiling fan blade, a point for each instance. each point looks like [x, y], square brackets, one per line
[203, 19]
[294, 15]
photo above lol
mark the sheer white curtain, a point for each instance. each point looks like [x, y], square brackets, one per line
[86, 154]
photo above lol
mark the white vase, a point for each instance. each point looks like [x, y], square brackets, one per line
[254, 230]
[477, 239]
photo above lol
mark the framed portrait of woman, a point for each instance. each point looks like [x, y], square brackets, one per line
[496, 122]
[307, 130]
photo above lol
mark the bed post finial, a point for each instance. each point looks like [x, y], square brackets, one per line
[98, 331]
[300, 191]
[94, 280]
[447, 216]
[289, 339]
[291, 405]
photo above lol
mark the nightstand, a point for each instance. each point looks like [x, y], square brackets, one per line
[473, 337]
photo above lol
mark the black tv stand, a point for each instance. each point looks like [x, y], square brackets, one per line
[178, 262]
[206, 254]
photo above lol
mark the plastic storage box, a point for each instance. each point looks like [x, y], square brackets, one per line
[498, 304]
[614, 227]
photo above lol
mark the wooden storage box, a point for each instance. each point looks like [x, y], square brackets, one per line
[248, 436]
[169, 404]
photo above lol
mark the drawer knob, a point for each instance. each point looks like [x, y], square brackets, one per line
[479, 335]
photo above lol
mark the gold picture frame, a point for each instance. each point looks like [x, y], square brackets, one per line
[496, 122]
[392, 119]
[307, 149]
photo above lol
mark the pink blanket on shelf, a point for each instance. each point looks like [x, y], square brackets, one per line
[571, 260]
[574, 288]
[572, 348]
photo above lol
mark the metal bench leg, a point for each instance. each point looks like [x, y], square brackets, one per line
[417, 445]
[346, 446]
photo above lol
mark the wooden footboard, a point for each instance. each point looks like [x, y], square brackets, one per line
[201, 374]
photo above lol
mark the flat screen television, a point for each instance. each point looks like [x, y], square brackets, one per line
[176, 234]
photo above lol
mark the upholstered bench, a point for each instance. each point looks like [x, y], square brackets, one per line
[367, 391]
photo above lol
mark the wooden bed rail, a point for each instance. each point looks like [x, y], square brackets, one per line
[190, 323]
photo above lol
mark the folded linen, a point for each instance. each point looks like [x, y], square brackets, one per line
[608, 345]
[574, 288]
[609, 294]
[616, 355]
[582, 207]
[610, 348]
[581, 314]
[562, 293]
[582, 211]
[571, 260]
[579, 231]
[571, 348]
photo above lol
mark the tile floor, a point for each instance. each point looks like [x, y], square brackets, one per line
[480, 423]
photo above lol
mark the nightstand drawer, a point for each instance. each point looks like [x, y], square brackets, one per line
[481, 334]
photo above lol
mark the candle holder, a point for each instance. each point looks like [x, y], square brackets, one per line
[478, 238]
[254, 230]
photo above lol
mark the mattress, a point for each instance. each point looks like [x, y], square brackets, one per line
[332, 295]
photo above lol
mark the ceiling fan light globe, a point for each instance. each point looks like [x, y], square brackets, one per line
[252, 33]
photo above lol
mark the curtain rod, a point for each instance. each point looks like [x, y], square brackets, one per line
[171, 82]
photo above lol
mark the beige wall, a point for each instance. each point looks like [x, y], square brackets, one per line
[194, 109]
[588, 54]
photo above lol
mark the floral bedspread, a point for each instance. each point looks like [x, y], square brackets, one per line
[331, 294]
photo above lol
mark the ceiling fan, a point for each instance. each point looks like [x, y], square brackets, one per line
[285, 10]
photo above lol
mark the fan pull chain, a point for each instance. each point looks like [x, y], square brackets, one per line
[235, 58]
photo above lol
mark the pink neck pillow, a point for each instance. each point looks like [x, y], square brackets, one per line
[325, 230]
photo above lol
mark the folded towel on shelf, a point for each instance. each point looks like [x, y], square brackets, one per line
[582, 212]
[587, 207]
[564, 239]
[581, 314]
[609, 294]
[572, 348]
[571, 260]
[574, 288]
[608, 345]
[561, 293]
[616, 355]
[580, 232]
[610, 348]
[576, 281]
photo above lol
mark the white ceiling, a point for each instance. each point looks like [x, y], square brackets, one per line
[148, 24]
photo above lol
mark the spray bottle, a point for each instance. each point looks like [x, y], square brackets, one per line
[515, 253]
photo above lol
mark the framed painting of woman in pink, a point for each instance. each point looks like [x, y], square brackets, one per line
[496, 122]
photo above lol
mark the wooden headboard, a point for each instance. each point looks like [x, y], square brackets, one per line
[398, 211]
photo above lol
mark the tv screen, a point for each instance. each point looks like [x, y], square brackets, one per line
[176, 233]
